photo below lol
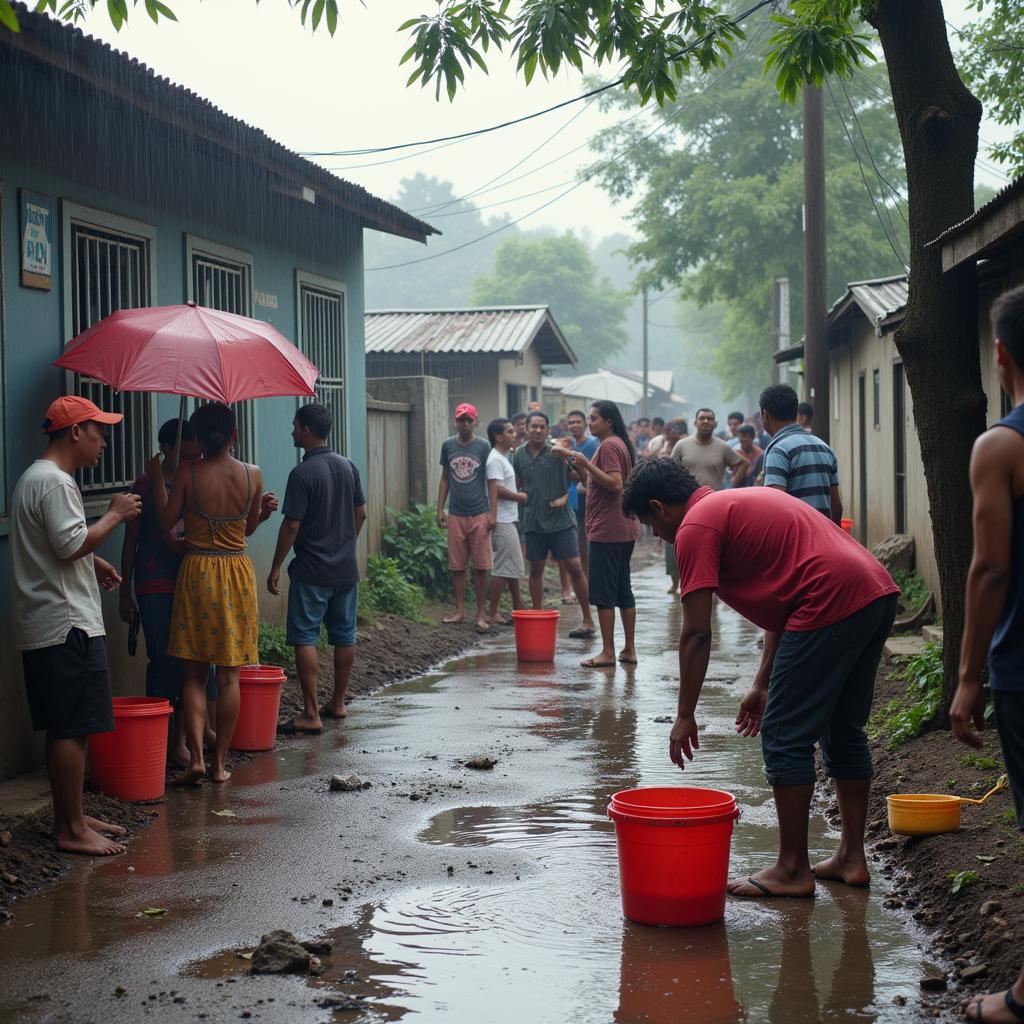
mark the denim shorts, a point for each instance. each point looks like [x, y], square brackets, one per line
[821, 689]
[311, 605]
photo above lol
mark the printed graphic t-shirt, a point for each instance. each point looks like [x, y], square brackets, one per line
[467, 476]
[775, 560]
[605, 521]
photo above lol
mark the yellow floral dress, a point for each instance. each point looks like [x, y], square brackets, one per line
[215, 616]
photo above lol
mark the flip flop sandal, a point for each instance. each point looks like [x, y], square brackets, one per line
[594, 663]
[1015, 1007]
[289, 728]
[582, 634]
[765, 891]
[324, 713]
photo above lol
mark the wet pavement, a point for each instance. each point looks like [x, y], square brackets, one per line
[454, 893]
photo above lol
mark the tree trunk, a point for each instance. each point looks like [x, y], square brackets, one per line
[938, 340]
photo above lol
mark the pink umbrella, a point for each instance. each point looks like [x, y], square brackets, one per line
[190, 350]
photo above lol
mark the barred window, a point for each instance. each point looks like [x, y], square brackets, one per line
[223, 280]
[107, 270]
[322, 341]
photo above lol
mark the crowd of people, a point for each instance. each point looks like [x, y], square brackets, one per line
[751, 516]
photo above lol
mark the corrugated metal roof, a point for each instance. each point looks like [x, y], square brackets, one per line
[67, 48]
[501, 330]
[882, 300]
[663, 380]
[1013, 188]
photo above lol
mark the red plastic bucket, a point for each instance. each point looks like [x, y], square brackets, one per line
[673, 853]
[130, 763]
[259, 697]
[847, 525]
[535, 635]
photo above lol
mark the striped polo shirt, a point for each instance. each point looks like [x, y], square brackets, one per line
[803, 465]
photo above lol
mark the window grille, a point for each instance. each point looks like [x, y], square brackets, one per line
[322, 340]
[110, 272]
[225, 285]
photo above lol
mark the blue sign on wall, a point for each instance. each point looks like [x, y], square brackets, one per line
[36, 240]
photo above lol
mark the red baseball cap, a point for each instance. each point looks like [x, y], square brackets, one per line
[465, 410]
[74, 409]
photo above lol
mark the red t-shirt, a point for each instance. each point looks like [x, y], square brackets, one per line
[776, 560]
[605, 521]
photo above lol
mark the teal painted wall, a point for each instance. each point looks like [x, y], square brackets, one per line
[61, 142]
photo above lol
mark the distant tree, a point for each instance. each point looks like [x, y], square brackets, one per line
[719, 193]
[417, 280]
[992, 61]
[556, 270]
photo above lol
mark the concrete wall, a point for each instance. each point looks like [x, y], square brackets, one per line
[429, 425]
[58, 142]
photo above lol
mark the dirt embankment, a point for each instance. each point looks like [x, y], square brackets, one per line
[978, 931]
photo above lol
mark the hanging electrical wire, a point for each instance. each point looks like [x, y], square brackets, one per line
[366, 151]
[887, 231]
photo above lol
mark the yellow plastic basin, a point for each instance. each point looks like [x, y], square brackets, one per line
[928, 814]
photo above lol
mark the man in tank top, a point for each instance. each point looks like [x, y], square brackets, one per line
[994, 619]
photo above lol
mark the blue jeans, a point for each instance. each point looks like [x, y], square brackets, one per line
[311, 605]
[821, 689]
[164, 673]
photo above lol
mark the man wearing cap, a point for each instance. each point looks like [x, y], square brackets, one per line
[472, 511]
[58, 621]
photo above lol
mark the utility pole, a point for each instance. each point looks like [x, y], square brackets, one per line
[645, 407]
[815, 261]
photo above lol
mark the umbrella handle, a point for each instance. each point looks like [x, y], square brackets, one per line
[1001, 784]
[181, 423]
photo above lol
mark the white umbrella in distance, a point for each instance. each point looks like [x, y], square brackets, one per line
[604, 385]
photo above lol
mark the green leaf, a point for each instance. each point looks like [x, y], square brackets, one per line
[7, 16]
[114, 13]
[332, 16]
[154, 911]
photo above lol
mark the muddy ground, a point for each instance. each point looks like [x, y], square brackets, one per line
[979, 931]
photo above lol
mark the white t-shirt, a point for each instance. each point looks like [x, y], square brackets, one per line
[51, 596]
[499, 468]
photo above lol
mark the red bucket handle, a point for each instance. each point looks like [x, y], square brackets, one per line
[715, 819]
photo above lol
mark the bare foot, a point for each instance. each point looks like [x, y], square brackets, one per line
[771, 882]
[89, 843]
[674, 589]
[835, 870]
[601, 661]
[191, 776]
[178, 758]
[482, 625]
[219, 775]
[991, 1008]
[453, 620]
[331, 710]
[628, 656]
[98, 825]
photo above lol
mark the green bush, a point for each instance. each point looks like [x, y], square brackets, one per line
[906, 717]
[913, 590]
[273, 648]
[388, 592]
[419, 546]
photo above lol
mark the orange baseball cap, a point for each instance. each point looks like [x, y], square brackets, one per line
[74, 409]
[465, 410]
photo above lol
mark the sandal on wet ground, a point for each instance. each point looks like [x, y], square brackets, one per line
[289, 728]
[582, 633]
[325, 713]
[765, 891]
[1015, 1007]
[594, 663]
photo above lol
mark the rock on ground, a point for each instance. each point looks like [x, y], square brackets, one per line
[279, 952]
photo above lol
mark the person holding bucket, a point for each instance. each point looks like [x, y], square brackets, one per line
[826, 605]
[58, 621]
[994, 620]
[214, 619]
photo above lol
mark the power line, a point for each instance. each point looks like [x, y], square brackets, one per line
[580, 182]
[527, 117]
[871, 195]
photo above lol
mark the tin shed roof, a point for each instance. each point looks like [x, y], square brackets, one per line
[476, 330]
[988, 230]
[123, 79]
[882, 301]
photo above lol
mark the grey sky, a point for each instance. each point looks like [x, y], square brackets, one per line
[318, 93]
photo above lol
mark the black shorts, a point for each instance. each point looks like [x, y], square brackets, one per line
[68, 687]
[562, 545]
[1009, 708]
[608, 575]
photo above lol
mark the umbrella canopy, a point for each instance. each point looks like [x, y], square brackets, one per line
[604, 385]
[190, 350]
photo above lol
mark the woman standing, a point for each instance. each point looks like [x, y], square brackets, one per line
[214, 619]
[611, 534]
